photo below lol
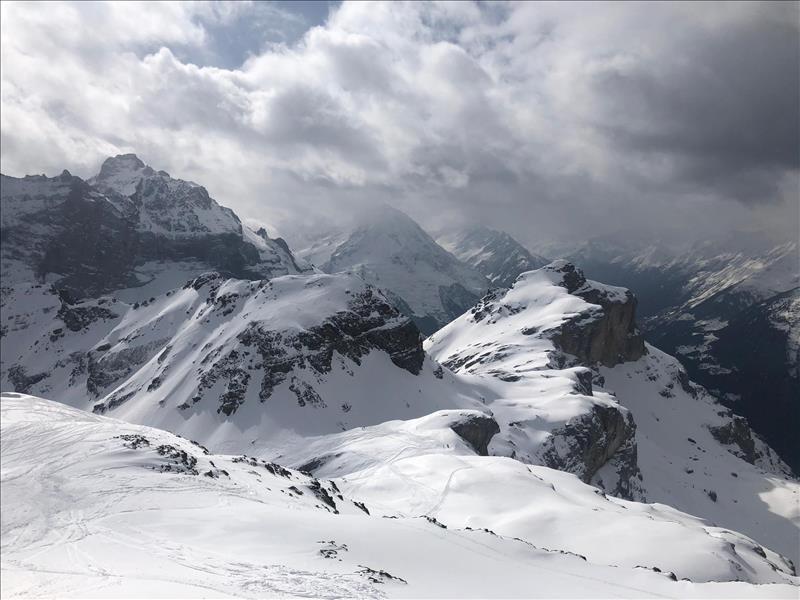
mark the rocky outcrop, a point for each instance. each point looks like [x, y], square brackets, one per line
[477, 431]
[370, 323]
[608, 334]
[589, 441]
[22, 380]
[621, 476]
[737, 435]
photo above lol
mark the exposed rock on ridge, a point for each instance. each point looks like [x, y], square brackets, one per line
[607, 335]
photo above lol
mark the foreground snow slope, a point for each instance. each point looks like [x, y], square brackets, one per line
[94, 507]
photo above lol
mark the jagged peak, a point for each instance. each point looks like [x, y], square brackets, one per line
[122, 173]
[113, 165]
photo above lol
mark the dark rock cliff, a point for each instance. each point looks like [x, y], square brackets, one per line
[585, 444]
[607, 335]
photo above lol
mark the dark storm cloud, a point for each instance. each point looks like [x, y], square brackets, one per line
[545, 119]
[723, 107]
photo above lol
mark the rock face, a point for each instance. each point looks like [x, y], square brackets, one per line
[64, 226]
[607, 335]
[724, 308]
[495, 254]
[588, 442]
[737, 434]
[91, 235]
[477, 431]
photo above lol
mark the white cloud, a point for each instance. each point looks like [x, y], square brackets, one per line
[537, 117]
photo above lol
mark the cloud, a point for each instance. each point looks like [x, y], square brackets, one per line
[546, 119]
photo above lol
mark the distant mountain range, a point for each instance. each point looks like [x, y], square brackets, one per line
[495, 254]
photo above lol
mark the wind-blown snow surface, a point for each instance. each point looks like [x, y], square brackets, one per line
[95, 507]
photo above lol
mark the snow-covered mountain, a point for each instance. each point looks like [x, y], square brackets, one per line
[493, 253]
[573, 386]
[535, 417]
[233, 363]
[95, 505]
[708, 304]
[389, 250]
[120, 228]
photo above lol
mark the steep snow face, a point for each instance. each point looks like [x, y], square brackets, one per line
[495, 254]
[91, 237]
[318, 250]
[392, 252]
[236, 364]
[91, 503]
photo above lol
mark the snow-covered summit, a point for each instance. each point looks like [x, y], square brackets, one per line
[122, 174]
[167, 207]
[390, 250]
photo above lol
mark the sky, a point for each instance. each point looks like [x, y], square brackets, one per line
[552, 121]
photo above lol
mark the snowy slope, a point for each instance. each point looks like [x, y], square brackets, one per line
[97, 507]
[495, 254]
[636, 427]
[237, 364]
[392, 252]
[695, 456]
[318, 249]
